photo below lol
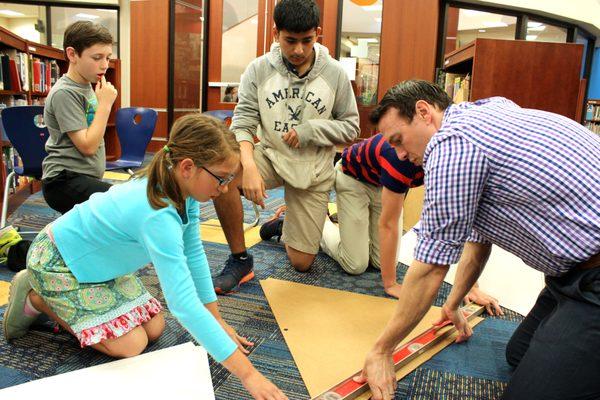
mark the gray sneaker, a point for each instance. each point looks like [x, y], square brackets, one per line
[15, 322]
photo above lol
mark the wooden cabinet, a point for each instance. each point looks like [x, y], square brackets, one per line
[545, 76]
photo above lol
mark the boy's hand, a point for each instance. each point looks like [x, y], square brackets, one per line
[393, 290]
[253, 186]
[105, 92]
[291, 138]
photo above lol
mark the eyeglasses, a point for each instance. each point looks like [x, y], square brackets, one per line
[222, 181]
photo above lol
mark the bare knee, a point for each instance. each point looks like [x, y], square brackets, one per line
[131, 344]
[155, 327]
[300, 261]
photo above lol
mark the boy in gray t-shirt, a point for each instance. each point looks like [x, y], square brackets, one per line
[76, 117]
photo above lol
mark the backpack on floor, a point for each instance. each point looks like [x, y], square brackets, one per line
[13, 249]
[17, 255]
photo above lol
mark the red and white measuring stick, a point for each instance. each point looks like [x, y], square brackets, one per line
[348, 389]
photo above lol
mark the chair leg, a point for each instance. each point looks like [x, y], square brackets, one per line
[9, 179]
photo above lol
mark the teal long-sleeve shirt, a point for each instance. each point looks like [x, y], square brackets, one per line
[117, 232]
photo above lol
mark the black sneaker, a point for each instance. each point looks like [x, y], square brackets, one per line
[272, 228]
[234, 274]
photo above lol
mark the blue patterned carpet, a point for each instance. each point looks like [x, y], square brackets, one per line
[474, 370]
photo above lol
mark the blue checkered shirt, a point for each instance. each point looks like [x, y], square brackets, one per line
[525, 180]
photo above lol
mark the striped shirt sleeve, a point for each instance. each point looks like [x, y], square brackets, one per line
[455, 175]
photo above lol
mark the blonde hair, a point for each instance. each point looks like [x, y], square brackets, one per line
[203, 139]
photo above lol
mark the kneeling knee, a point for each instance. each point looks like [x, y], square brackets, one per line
[301, 266]
[155, 327]
[131, 344]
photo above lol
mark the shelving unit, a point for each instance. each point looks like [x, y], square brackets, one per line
[545, 76]
[591, 117]
[9, 42]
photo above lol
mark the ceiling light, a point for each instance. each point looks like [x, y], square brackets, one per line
[531, 37]
[86, 16]
[375, 7]
[537, 29]
[482, 30]
[11, 13]
[531, 24]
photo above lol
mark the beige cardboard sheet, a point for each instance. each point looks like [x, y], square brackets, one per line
[329, 332]
[211, 231]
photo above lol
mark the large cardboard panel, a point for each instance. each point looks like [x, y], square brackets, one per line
[329, 332]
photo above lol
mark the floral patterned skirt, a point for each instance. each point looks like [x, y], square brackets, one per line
[94, 311]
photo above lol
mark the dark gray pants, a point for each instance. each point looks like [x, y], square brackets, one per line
[68, 188]
[556, 349]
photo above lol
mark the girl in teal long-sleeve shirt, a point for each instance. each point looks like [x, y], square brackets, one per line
[79, 268]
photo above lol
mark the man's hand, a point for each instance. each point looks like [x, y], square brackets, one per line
[458, 319]
[379, 372]
[291, 138]
[480, 297]
[105, 92]
[253, 186]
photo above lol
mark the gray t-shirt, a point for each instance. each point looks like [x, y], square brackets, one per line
[70, 107]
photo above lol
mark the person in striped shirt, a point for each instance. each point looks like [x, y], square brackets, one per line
[371, 184]
[525, 180]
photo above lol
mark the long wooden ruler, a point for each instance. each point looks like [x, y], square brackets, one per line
[348, 389]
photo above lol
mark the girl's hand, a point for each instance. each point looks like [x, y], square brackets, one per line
[239, 340]
[261, 388]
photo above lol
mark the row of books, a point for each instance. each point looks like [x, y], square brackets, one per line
[457, 86]
[20, 72]
[592, 112]
[593, 126]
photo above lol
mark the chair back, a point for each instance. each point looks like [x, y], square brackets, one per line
[133, 136]
[24, 126]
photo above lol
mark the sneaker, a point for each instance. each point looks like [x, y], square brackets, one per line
[15, 322]
[272, 228]
[234, 274]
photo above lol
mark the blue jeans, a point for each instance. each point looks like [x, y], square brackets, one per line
[556, 349]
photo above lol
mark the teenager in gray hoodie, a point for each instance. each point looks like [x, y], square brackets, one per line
[298, 100]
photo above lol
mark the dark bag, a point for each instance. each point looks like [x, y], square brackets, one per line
[17, 255]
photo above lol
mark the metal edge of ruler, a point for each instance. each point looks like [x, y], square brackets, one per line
[341, 392]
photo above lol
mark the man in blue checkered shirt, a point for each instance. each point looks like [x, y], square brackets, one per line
[525, 180]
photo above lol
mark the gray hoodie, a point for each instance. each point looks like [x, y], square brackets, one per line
[320, 106]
